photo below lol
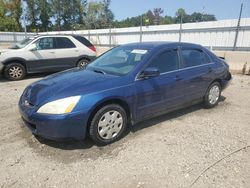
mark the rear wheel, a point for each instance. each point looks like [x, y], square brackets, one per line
[82, 63]
[213, 95]
[108, 124]
[15, 71]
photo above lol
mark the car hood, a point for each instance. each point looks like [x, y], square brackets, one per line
[69, 83]
[6, 50]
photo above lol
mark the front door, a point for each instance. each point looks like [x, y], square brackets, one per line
[43, 57]
[159, 94]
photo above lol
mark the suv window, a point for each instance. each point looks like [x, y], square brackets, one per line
[45, 43]
[83, 40]
[194, 57]
[63, 42]
[166, 61]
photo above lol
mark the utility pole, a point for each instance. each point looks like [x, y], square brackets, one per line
[110, 37]
[180, 30]
[203, 12]
[141, 30]
[25, 26]
[238, 28]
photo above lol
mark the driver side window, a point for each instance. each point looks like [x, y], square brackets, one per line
[166, 61]
[45, 43]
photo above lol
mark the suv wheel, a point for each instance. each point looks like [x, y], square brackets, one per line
[15, 71]
[82, 63]
[213, 95]
[108, 124]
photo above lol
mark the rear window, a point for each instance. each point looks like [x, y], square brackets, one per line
[83, 40]
[194, 57]
[63, 42]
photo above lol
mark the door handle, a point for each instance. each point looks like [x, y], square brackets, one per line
[210, 69]
[52, 52]
[178, 78]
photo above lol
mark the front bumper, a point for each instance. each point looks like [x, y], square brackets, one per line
[54, 127]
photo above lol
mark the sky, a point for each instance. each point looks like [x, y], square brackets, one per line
[222, 9]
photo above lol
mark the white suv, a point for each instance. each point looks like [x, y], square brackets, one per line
[48, 53]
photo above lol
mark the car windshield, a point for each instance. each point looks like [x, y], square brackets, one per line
[22, 44]
[118, 61]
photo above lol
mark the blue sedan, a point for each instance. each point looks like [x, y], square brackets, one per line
[126, 85]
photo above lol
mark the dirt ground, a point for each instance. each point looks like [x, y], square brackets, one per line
[193, 147]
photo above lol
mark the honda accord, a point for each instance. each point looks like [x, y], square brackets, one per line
[126, 85]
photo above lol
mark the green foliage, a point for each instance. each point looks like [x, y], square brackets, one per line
[48, 15]
[32, 14]
[155, 18]
[99, 15]
[181, 15]
[10, 14]
[44, 8]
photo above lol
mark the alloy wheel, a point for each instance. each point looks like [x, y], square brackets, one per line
[16, 72]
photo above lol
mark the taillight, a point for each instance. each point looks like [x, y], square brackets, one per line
[92, 48]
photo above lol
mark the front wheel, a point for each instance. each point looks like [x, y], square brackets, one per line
[108, 124]
[212, 96]
[14, 71]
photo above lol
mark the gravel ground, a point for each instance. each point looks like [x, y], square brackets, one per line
[193, 147]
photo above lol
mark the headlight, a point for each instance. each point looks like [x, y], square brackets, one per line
[61, 106]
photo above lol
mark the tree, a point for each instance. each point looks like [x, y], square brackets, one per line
[157, 15]
[108, 14]
[182, 16]
[167, 20]
[195, 17]
[150, 16]
[69, 15]
[15, 11]
[99, 15]
[44, 8]
[57, 13]
[208, 17]
[8, 20]
[32, 15]
[199, 17]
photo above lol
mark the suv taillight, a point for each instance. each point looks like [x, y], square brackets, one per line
[92, 48]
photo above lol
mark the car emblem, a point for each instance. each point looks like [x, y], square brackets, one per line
[26, 103]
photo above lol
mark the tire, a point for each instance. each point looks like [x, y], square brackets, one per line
[14, 71]
[212, 96]
[82, 63]
[108, 124]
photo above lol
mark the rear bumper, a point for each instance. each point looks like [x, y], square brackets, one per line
[226, 81]
[1, 67]
[54, 127]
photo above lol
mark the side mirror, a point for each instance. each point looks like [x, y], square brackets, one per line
[32, 47]
[149, 73]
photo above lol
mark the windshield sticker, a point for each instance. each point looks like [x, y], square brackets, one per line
[139, 51]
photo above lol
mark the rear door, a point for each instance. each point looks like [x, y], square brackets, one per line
[159, 94]
[196, 69]
[66, 53]
[43, 58]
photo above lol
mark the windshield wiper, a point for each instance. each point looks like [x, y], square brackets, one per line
[99, 71]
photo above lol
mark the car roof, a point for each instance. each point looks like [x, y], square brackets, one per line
[155, 44]
[54, 35]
